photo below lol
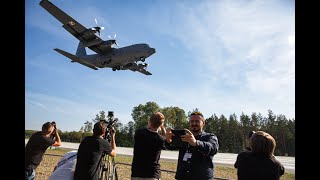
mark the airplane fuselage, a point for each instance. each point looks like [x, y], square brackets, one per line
[119, 57]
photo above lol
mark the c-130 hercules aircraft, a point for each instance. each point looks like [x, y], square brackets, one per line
[125, 58]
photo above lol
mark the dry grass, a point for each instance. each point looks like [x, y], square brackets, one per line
[123, 165]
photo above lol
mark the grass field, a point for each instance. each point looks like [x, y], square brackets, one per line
[124, 169]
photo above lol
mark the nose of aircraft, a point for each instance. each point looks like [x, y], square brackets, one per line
[152, 50]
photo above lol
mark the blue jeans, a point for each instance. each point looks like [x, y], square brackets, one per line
[29, 174]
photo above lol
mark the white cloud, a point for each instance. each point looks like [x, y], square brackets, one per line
[245, 48]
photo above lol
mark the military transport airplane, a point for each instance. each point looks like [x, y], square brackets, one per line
[124, 58]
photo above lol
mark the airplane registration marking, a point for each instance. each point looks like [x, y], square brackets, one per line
[71, 23]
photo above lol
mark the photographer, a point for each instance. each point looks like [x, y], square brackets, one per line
[260, 162]
[91, 150]
[195, 160]
[37, 145]
[148, 144]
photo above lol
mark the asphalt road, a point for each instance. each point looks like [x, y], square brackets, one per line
[222, 159]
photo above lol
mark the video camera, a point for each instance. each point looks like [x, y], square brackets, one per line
[111, 122]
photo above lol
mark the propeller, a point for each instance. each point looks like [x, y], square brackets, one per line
[97, 28]
[114, 38]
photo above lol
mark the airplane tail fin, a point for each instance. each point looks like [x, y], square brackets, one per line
[75, 58]
[81, 50]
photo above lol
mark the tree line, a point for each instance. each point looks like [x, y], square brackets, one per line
[232, 132]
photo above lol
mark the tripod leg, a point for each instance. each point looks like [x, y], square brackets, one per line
[104, 168]
[116, 174]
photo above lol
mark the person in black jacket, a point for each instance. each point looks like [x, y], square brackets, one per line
[195, 159]
[148, 144]
[259, 163]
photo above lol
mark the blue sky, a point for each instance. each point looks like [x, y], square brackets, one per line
[221, 57]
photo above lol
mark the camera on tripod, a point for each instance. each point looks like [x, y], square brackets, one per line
[110, 124]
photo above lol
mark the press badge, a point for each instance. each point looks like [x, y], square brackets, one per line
[187, 156]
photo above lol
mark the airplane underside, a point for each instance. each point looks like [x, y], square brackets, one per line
[106, 55]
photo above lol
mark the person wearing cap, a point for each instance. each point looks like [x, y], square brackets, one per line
[90, 152]
[195, 160]
[148, 144]
[259, 163]
[37, 146]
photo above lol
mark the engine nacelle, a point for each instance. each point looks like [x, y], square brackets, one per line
[109, 42]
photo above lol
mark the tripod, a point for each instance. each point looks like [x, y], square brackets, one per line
[107, 169]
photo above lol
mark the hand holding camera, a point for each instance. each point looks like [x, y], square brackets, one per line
[189, 138]
[176, 136]
[248, 140]
[54, 132]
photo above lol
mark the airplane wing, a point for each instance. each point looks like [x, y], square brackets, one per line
[143, 71]
[85, 35]
[137, 67]
[75, 58]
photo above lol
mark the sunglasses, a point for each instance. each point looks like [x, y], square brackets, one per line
[197, 113]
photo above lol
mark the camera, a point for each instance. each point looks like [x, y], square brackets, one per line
[110, 114]
[248, 148]
[54, 130]
[251, 133]
[110, 123]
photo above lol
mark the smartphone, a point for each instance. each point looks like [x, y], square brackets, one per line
[176, 139]
[178, 132]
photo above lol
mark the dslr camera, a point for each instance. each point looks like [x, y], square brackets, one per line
[54, 130]
[250, 134]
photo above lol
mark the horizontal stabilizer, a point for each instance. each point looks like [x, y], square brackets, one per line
[75, 58]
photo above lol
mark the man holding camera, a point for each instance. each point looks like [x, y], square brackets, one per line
[148, 144]
[37, 145]
[91, 150]
[195, 158]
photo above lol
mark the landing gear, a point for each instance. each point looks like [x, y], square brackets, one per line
[117, 68]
